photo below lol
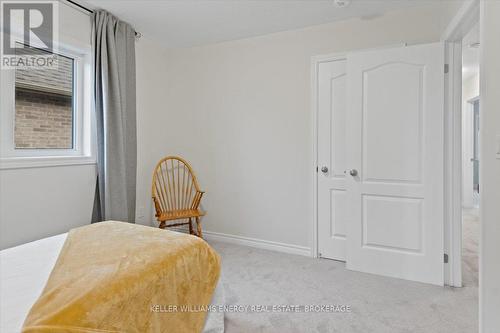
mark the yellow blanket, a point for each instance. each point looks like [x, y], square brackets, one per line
[120, 277]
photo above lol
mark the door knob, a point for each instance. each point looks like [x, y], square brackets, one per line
[353, 172]
[324, 169]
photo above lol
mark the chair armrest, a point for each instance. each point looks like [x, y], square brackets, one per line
[157, 207]
[197, 199]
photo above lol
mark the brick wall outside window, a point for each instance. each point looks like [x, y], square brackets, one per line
[44, 110]
[43, 120]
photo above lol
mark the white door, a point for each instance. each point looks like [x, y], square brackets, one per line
[395, 134]
[332, 104]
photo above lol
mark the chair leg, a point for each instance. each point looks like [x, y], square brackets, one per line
[162, 225]
[198, 226]
[191, 231]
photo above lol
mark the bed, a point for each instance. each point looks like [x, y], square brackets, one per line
[24, 271]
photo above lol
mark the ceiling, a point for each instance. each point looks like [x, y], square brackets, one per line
[470, 55]
[185, 23]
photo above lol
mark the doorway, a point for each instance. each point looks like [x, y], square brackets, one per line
[471, 158]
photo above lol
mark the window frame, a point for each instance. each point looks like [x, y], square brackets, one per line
[83, 133]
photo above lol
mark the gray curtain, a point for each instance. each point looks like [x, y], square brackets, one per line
[113, 46]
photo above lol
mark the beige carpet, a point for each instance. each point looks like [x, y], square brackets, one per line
[379, 304]
[470, 261]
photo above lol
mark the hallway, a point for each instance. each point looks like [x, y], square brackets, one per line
[470, 248]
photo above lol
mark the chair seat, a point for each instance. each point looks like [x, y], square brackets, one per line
[180, 214]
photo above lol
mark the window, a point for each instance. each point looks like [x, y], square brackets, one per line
[45, 112]
[44, 105]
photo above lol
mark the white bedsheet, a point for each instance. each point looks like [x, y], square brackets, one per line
[24, 270]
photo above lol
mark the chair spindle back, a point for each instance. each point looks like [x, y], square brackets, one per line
[174, 186]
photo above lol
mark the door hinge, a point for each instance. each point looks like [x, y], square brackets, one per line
[317, 168]
[446, 68]
[445, 258]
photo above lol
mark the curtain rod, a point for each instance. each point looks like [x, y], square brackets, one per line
[90, 11]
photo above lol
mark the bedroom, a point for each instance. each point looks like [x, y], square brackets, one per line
[229, 87]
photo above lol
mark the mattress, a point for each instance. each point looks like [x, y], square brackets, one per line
[24, 270]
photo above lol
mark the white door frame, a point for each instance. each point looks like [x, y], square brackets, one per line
[466, 17]
[315, 62]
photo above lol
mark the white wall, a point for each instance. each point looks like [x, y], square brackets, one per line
[240, 113]
[470, 89]
[41, 202]
[489, 300]
[153, 137]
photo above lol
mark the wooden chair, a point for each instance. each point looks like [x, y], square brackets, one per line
[176, 194]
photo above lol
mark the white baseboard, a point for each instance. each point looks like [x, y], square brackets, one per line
[253, 242]
[257, 243]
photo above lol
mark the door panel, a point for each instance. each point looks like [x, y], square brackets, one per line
[402, 216]
[332, 213]
[395, 130]
[392, 93]
[338, 214]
